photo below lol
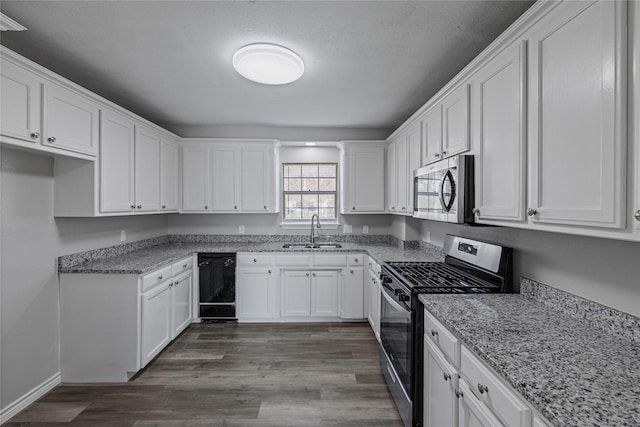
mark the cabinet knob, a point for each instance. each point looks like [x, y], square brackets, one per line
[475, 211]
[393, 208]
[184, 265]
[269, 271]
[532, 212]
[459, 394]
[404, 208]
[637, 215]
[139, 206]
[446, 376]
[265, 207]
[351, 271]
[313, 274]
[235, 207]
[35, 135]
[436, 155]
[51, 139]
[206, 207]
[255, 260]
[164, 206]
[483, 388]
[434, 333]
[176, 283]
[133, 206]
[353, 208]
[307, 274]
[160, 277]
[171, 285]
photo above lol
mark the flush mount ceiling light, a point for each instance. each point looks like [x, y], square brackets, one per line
[268, 64]
[310, 143]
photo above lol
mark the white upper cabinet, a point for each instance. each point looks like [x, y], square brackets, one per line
[414, 141]
[498, 135]
[196, 178]
[168, 174]
[116, 162]
[577, 108]
[226, 168]
[70, 120]
[147, 170]
[257, 181]
[392, 188]
[432, 131]
[19, 103]
[455, 122]
[402, 174]
[362, 177]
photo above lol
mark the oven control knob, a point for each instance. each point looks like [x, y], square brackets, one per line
[386, 280]
[404, 297]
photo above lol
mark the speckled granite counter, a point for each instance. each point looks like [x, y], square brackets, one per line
[575, 371]
[161, 251]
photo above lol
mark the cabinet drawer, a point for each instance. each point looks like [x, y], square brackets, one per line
[329, 260]
[149, 280]
[494, 392]
[255, 259]
[293, 260]
[448, 343]
[355, 260]
[182, 266]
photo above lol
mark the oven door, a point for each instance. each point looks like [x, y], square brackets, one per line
[396, 333]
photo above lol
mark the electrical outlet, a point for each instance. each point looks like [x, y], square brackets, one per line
[365, 229]
[347, 229]
[123, 235]
[241, 229]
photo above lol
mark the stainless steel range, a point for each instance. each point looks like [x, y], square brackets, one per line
[470, 267]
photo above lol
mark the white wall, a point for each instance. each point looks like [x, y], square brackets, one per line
[31, 240]
[603, 270]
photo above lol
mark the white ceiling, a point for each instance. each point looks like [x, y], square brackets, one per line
[369, 64]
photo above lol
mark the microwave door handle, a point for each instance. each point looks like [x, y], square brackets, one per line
[445, 206]
[441, 192]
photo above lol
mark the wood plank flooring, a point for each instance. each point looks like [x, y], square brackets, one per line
[247, 375]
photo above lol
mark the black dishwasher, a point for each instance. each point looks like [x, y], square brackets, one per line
[217, 283]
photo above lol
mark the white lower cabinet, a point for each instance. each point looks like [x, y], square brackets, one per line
[353, 294]
[480, 399]
[373, 300]
[257, 292]
[324, 293]
[310, 293]
[440, 384]
[112, 325]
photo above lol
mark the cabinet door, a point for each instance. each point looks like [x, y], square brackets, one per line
[440, 382]
[414, 142]
[455, 122]
[498, 132]
[296, 293]
[471, 411]
[324, 293]
[576, 125]
[366, 180]
[392, 189]
[181, 303]
[195, 178]
[169, 175]
[402, 174]
[156, 321]
[353, 294]
[432, 131]
[257, 179]
[226, 168]
[70, 120]
[374, 307]
[254, 293]
[116, 162]
[19, 103]
[147, 182]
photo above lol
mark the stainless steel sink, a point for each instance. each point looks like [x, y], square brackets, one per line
[310, 246]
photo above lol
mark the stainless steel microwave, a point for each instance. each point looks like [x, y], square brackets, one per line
[444, 191]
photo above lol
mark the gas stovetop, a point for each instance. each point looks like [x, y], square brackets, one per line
[438, 277]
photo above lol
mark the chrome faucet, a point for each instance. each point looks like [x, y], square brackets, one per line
[313, 234]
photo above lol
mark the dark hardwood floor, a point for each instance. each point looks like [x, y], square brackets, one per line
[218, 374]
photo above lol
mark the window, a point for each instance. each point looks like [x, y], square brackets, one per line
[308, 189]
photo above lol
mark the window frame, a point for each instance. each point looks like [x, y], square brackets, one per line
[332, 221]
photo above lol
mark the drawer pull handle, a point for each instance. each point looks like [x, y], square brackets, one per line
[434, 333]
[446, 376]
[483, 388]
[459, 394]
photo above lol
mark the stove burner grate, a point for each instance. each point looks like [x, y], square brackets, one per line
[436, 277]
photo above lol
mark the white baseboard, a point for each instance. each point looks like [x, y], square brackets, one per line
[36, 393]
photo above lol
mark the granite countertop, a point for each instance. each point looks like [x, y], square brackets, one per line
[572, 371]
[150, 258]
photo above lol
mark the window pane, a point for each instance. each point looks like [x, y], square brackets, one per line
[309, 184]
[327, 171]
[327, 184]
[310, 201]
[310, 170]
[292, 170]
[292, 184]
[327, 213]
[327, 200]
[308, 213]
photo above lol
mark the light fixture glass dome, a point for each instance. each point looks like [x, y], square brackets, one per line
[268, 64]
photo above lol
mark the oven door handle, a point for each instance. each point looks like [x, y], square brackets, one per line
[393, 303]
